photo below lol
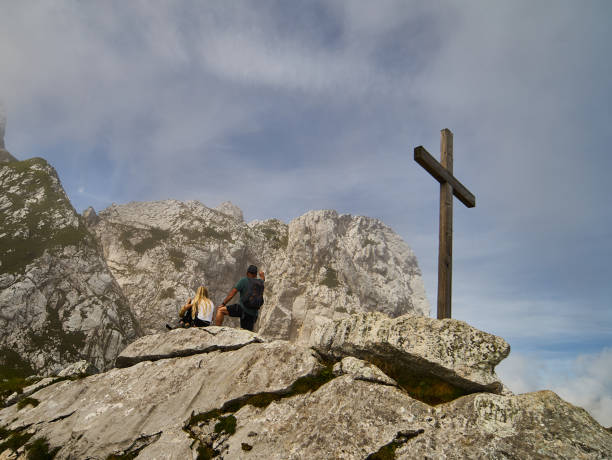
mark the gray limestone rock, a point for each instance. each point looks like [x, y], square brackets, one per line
[413, 345]
[531, 425]
[229, 208]
[335, 265]
[80, 368]
[344, 419]
[90, 216]
[322, 266]
[59, 303]
[124, 410]
[278, 400]
[185, 342]
[362, 370]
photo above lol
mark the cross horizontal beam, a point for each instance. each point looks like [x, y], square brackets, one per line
[439, 172]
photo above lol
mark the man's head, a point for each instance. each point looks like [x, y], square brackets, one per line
[252, 271]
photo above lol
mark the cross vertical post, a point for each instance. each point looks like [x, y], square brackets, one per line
[449, 186]
[445, 254]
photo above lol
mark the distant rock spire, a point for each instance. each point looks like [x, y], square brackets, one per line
[2, 126]
[5, 157]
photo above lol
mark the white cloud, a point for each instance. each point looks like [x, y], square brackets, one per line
[585, 381]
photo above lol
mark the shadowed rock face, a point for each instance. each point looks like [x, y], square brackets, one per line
[58, 301]
[410, 346]
[236, 396]
[2, 128]
[322, 266]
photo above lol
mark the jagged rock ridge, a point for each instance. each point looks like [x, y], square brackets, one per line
[58, 301]
[322, 266]
[237, 396]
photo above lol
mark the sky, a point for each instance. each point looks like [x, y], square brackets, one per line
[285, 107]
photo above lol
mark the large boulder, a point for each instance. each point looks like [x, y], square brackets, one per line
[413, 347]
[59, 303]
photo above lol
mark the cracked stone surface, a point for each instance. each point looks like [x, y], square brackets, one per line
[185, 342]
[106, 413]
[345, 418]
[531, 425]
[146, 410]
[449, 349]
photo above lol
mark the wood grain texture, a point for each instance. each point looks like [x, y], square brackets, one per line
[443, 172]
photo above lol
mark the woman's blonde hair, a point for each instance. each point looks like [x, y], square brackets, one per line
[201, 296]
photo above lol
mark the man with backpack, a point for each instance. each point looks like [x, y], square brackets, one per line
[251, 299]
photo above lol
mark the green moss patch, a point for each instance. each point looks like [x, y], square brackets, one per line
[226, 422]
[368, 242]
[27, 402]
[13, 372]
[14, 439]
[177, 257]
[331, 278]
[29, 236]
[40, 449]
[137, 446]
[206, 452]
[429, 389]
[157, 237]
[226, 425]
[387, 452]
[277, 237]
[167, 293]
[203, 233]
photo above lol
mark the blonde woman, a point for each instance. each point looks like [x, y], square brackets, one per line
[201, 308]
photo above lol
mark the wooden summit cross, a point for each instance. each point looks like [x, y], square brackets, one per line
[449, 186]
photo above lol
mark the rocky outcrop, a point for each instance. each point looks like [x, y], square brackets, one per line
[280, 400]
[185, 342]
[336, 265]
[159, 397]
[322, 266]
[411, 345]
[58, 301]
[2, 128]
[90, 217]
[229, 208]
[6, 157]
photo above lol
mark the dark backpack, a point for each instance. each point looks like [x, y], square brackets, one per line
[253, 297]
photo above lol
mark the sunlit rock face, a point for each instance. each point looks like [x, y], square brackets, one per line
[220, 392]
[59, 303]
[322, 266]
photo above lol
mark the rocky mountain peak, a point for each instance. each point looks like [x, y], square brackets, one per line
[2, 127]
[227, 207]
[90, 216]
[58, 300]
[319, 267]
[5, 156]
